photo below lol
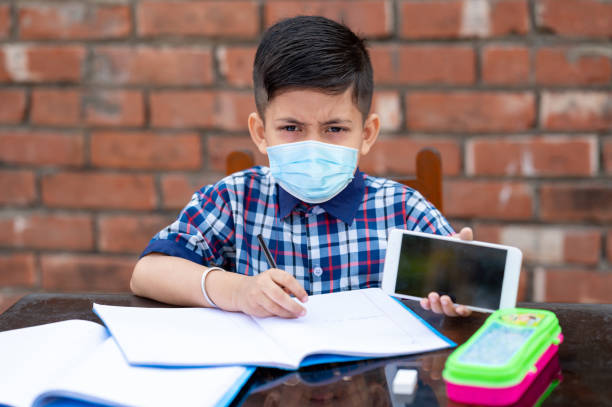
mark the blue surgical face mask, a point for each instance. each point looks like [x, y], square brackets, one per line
[312, 171]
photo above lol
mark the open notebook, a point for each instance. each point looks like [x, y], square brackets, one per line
[78, 360]
[338, 326]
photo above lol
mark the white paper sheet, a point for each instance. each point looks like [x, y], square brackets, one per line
[79, 359]
[31, 357]
[360, 323]
[105, 377]
[187, 336]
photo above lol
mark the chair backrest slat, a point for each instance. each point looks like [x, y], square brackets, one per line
[238, 161]
[428, 179]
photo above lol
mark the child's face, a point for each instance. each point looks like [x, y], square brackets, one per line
[308, 114]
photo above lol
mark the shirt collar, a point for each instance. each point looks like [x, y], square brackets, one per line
[343, 206]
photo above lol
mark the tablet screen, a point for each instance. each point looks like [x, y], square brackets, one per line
[469, 274]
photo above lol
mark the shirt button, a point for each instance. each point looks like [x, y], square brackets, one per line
[317, 271]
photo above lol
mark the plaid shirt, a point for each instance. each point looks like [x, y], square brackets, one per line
[336, 245]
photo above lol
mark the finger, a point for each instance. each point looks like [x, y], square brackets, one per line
[466, 234]
[463, 310]
[425, 304]
[276, 294]
[288, 282]
[447, 306]
[273, 308]
[434, 301]
[258, 311]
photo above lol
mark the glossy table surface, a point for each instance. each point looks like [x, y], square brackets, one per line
[585, 357]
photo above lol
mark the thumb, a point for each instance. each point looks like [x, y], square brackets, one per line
[465, 234]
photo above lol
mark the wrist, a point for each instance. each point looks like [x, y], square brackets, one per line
[237, 295]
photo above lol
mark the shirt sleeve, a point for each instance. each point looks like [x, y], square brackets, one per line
[422, 216]
[203, 232]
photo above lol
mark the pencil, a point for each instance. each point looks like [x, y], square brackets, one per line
[266, 251]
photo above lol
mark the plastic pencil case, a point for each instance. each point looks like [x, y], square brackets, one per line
[503, 358]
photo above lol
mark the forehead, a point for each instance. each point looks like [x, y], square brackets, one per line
[311, 105]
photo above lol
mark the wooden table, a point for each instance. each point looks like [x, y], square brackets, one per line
[585, 356]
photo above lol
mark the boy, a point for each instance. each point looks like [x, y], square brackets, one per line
[325, 222]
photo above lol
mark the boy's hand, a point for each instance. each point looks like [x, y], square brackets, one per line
[444, 304]
[267, 294]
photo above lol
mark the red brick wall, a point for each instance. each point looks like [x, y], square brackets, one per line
[112, 113]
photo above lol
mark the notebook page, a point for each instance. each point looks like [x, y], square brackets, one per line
[105, 377]
[360, 322]
[187, 336]
[31, 357]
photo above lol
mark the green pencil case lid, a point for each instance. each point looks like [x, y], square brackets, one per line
[504, 349]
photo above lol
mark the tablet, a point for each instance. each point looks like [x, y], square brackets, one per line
[482, 276]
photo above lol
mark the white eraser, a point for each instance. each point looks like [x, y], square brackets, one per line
[405, 381]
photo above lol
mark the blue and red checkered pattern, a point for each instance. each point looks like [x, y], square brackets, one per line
[333, 246]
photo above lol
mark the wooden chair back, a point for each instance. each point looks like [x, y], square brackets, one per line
[238, 161]
[428, 178]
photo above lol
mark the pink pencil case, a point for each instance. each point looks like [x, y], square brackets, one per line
[500, 362]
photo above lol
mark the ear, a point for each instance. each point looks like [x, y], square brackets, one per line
[371, 128]
[256, 130]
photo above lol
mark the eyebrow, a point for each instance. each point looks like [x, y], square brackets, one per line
[337, 121]
[288, 120]
[332, 121]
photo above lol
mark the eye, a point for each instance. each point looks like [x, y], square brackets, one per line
[290, 128]
[336, 129]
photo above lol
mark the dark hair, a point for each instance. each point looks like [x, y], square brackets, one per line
[312, 52]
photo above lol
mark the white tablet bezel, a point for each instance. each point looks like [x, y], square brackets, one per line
[512, 268]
